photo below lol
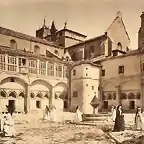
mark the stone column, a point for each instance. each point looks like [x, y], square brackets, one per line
[118, 95]
[17, 63]
[46, 67]
[52, 97]
[38, 66]
[27, 99]
[6, 62]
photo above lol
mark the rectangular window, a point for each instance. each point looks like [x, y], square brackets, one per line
[58, 70]
[50, 69]
[103, 72]
[38, 104]
[75, 94]
[2, 62]
[65, 71]
[33, 66]
[42, 68]
[22, 62]
[121, 69]
[74, 72]
[12, 63]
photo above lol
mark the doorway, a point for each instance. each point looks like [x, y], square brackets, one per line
[11, 105]
[105, 105]
[132, 105]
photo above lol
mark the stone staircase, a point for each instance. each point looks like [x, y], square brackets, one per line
[96, 118]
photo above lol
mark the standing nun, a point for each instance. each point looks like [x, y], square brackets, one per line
[113, 112]
[119, 121]
[139, 125]
[46, 113]
[78, 115]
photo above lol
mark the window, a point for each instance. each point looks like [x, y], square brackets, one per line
[121, 69]
[58, 70]
[38, 104]
[56, 52]
[3, 93]
[92, 87]
[32, 95]
[86, 84]
[12, 63]
[13, 44]
[74, 72]
[50, 69]
[75, 94]
[65, 104]
[65, 71]
[109, 96]
[123, 96]
[92, 49]
[36, 49]
[42, 68]
[138, 95]
[86, 68]
[33, 66]
[86, 74]
[114, 96]
[132, 105]
[119, 46]
[103, 72]
[2, 62]
[22, 62]
[131, 95]
[12, 80]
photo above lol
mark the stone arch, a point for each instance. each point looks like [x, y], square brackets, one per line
[138, 95]
[42, 82]
[36, 49]
[119, 46]
[3, 93]
[12, 94]
[123, 96]
[14, 77]
[61, 92]
[22, 94]
[13, 44]
[131, 95]
[32, 95]
[39, 95]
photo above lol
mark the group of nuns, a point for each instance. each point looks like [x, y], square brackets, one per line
[118, 119]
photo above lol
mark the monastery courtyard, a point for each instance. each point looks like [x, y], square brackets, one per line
[31, 129]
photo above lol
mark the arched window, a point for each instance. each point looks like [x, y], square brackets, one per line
[12, 94]
[13, 44]
[67, 58]
[109, 96]
[22, 94]
[46, 96]
[56, 52]
[114, 96]
[123, 96]
[32, 95]
[3, 93]
[36, 49]
[131, 95]
[39, 95]
[138, 95]
[119, 46]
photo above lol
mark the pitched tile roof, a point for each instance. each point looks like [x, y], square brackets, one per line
[20, 35]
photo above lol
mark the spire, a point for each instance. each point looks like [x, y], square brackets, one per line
[119, 14]
[65, 26]
[44, 22]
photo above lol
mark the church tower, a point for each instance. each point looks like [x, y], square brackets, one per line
[141, 33]
[43, 32]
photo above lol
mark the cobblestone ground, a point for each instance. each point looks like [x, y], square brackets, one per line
[52, 133]
[32, 130]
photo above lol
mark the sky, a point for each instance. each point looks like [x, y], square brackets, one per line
[89, 17]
